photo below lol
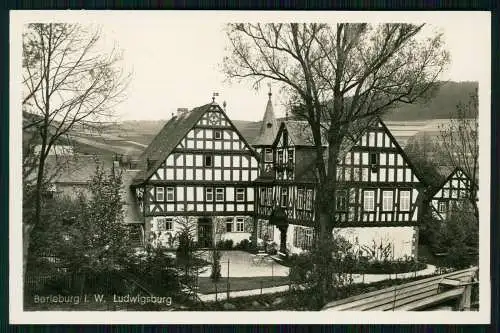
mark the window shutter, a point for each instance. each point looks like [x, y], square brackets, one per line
[301, 239]
[295, 237]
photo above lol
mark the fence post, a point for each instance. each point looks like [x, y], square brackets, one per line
[228, 285]
[261, 288]
[216, 293]
[272, 272]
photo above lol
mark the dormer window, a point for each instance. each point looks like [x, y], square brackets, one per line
[269, 125]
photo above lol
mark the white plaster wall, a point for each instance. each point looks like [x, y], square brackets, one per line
[401, 238]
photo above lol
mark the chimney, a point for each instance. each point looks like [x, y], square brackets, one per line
[181, 111]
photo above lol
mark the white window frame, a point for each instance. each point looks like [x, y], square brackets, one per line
[160, 191]
[387, 201]
[308, 199]
[240, 191]
[239, 224]
[218, 134]
[169, 223]
[209, 191]
[170, 191]
[300, 198]
[219, 190]
[369, 205]
[404, 200]
[442, 211]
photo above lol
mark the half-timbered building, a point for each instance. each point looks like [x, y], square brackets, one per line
[377, 201]
[198, 169]
[453, 193]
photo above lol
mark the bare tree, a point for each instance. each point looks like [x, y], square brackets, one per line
[459, 143]
[339, 76]
[68, 82]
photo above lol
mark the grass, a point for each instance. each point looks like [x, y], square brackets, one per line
[206, 285]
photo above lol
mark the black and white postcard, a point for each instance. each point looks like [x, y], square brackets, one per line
[286, 167]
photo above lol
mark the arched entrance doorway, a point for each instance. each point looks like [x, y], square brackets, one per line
[279, 219]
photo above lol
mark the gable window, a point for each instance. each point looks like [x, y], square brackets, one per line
[208, 160]
[268, 155]
[284, 197]
[341, 201]
[387, 200]
[219, 194]
[240, 194]
[240, 224]
[442, 207]
[170, 194]
[217, 134]
[160, 194]
[404, 201]
[229, 224]
[209, 194]
[369, 200]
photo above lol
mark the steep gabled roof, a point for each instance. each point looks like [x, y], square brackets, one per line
[170, 136]
[434, 190]
[268, 128]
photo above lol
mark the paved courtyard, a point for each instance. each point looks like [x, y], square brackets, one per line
[244, 264]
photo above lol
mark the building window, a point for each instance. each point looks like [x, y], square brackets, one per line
[229, 224]
[442, 207]
[209, 194]
[269, 199]
[268, 155]
[240, 224]
[240, 194]
[262, 196]
[309, 199]
[280, 156]
[165, 224]
[308, 238]
[219, 194]
[290, 156]
[160, 194]
[217, 134]
[387, 200]
[300, 198]
[284, 197]
[369, 200]
[374, 162]
[170, 194]
[341, 201]
[404, 201]
[208, 160]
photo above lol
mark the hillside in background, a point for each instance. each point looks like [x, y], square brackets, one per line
[131, 137]
[441, 106]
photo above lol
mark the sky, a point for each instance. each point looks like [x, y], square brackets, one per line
[176, 57]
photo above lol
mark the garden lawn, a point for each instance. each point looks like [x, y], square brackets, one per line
[207, 286]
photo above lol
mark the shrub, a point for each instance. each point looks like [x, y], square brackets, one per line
[243, 245]
[226, 244]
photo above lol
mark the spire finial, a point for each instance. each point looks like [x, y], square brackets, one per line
[214, 95]
[269, 93]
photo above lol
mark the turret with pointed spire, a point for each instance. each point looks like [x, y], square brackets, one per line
[269, 127]
[263, 143]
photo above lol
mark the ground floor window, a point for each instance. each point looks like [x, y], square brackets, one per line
[229, 224]
[165, 224]
[303, 237]
[240, 224]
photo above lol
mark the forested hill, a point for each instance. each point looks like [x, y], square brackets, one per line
[441, 106]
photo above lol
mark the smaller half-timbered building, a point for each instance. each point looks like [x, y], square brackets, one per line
[456, 191]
